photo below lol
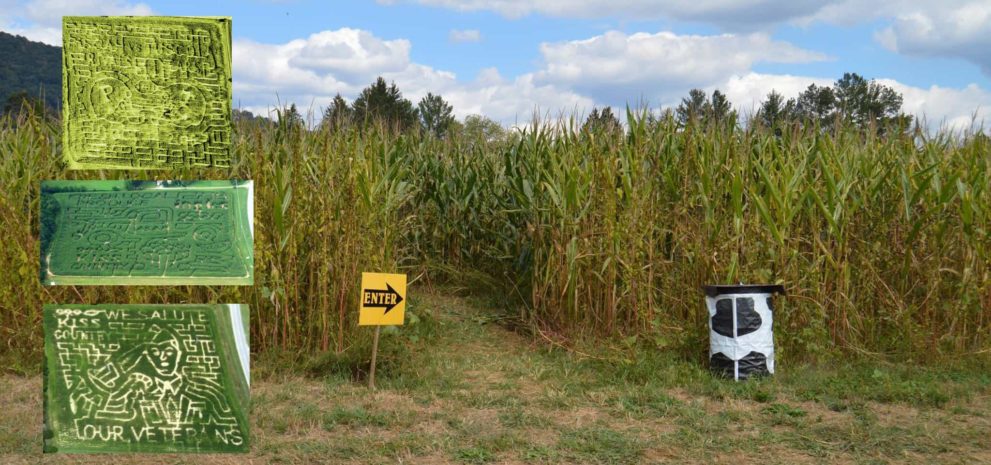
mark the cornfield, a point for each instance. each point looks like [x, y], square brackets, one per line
[883, 243]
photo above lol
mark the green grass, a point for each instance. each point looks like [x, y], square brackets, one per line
[600, 445]
[483, 394]
[354, 416]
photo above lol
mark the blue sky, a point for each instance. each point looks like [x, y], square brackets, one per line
[505, 58]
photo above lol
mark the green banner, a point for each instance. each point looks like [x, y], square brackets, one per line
[147, 232]
[146, 378]
[146, 92]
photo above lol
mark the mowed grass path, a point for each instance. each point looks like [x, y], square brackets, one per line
[468, 390]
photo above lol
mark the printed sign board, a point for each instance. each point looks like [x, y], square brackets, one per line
[146, 92]
[383, 299]
[146, 378]
[146, 232]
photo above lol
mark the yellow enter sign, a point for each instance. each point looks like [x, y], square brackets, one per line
[383, 299]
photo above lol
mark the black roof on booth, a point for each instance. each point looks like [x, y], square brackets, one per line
[720, 289]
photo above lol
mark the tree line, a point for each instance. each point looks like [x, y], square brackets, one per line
[851, 100]
[383, 104]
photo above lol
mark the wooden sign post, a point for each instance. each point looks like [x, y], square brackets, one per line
[383, 303]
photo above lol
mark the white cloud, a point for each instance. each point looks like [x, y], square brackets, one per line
[845, 12]
[350, 52]
[43, 34]
[939, 31]
[732, 14]
[948, 28]
[309, 72]
[41, 20]
[464, 35]
[618, 68]
[946, 106]
[609, 69]
[747, 91]
[51, 11]
[513, 101]
[939, 106]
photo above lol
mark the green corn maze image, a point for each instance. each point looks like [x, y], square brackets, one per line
[147, 232]
[146, 378]
[146, 92]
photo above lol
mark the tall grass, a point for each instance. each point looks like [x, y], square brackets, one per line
[327, 206]
[883, 243]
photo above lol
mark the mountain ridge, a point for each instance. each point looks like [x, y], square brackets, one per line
[31, 67]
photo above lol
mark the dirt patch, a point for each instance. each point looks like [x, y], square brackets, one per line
[661, 454]
[651, 429]
[438, 459]
[391, 401]
[579, 417]
[481, 416]
[895, 414]
[822, 414]
[777, 455]
[541, 436]
[431, 427]
[684, 396]
[485, 378]
[21, 397]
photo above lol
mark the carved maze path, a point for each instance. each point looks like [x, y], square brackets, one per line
[145, 378]
[147, 92]
[156, 235]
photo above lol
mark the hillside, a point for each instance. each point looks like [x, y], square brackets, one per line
[31, 67]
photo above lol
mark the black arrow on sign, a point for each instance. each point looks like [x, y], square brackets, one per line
[378, 298]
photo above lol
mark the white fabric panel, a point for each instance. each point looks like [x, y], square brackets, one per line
[241, 340]
[761, 341]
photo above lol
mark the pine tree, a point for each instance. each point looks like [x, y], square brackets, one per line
[384, 104]
[435, 115]
[338, 114]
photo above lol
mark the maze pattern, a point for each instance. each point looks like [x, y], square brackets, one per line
[147, 233]
[140, 379]
[145, 93]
